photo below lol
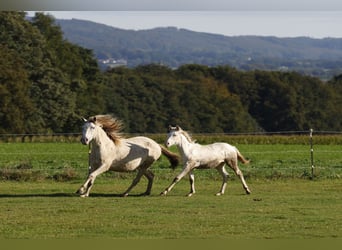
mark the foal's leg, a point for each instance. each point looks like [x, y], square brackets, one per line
[222, 170]
[186, 170]
[233, 164]
[192, 183]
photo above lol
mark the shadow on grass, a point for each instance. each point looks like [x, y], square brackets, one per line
[71, 195]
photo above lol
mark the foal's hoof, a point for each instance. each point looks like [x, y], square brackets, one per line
[248, 191]
[219, 194]
[81, 191]
[163, 193]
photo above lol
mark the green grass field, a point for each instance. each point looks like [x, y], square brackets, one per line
[282, 209]
[38, 181]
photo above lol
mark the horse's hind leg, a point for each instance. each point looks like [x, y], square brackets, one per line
[149, 175]
[233, 164]
[222, 170]
[134, 183]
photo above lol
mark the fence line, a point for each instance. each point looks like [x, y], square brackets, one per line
[73, 136]
[290, 132]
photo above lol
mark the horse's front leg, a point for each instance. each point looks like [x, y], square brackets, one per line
[186, 170]
[84, 190]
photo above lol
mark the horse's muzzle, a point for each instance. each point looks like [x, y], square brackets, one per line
[84, 141]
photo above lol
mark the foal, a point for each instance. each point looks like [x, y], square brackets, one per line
[194, 155]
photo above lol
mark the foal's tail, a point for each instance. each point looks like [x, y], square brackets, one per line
[172, 157]
[241, 158]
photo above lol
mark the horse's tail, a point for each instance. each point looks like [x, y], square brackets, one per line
[172, 157]
[241, 158]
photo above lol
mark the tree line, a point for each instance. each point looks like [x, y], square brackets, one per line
[47, 84]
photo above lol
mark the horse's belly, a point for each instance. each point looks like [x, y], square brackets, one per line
[126, 167]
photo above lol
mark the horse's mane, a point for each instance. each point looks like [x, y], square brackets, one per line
[111, 125]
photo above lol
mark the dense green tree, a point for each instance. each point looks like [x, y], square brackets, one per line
[48, 83]
[16, 108]
[62, 81]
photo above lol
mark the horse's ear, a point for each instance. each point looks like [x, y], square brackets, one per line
[178, 128]
[84, 119]
[92, 119]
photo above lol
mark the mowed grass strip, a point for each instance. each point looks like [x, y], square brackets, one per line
[282, 209]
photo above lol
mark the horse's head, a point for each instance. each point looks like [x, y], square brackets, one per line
[88, 130]
[173, 136]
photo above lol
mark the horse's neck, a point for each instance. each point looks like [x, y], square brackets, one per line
[101, 140]
[185, 146]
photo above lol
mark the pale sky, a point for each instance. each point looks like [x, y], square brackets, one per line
[280, 23]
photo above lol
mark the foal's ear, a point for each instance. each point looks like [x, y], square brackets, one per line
[173, 128]
[84, 119]
[178, 128]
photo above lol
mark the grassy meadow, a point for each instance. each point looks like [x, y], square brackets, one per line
[282, 209]
[38, 181]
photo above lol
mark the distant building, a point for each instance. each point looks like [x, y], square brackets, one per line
[113, 63]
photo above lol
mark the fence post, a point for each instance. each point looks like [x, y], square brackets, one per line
[312, 159]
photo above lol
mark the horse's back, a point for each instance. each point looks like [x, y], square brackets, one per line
[145, 144]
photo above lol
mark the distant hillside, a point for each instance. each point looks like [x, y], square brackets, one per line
[175, 47]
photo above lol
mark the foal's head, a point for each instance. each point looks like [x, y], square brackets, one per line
[174, 136]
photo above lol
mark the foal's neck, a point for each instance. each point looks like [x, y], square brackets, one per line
[184, 145]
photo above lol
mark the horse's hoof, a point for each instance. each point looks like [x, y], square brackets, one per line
[124, 195]
[189, 194]
[248, 191]
[219, 194]
[163, 193]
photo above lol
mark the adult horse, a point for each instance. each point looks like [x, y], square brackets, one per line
[110, 151]
[194, 156]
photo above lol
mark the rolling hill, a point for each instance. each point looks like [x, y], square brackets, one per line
[174, 47]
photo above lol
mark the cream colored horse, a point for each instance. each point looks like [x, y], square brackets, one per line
[109, 151]
[194, 155]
